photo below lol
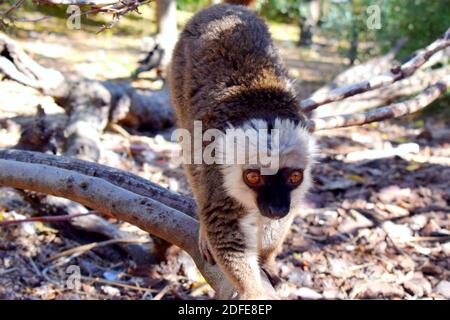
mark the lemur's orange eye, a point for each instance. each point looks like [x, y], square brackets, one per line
[252, 177]
[295, 177]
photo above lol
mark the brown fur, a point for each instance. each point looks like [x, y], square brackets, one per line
[226, 70]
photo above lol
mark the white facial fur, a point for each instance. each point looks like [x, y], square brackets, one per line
[296, 150]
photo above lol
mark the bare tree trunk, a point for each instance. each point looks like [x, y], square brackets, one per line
[354, 42]
[309, 22]
[166, 13]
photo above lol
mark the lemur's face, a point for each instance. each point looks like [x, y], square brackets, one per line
[273, 192]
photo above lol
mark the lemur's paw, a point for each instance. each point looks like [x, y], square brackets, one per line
[204, 250]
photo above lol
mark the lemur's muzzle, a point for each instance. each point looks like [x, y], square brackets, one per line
[274, 206]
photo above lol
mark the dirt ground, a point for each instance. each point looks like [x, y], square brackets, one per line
[375, 224]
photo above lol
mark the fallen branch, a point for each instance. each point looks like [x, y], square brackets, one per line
[88, 110]
[394, 75]
[407, 87]
[117, 177]
[79, 250]
[392, 111]
[43, 219]
[90, 104]
[102, 196]
[37, 135]
[117, 284]
[17, 65]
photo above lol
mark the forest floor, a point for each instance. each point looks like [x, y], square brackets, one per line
[375, 224]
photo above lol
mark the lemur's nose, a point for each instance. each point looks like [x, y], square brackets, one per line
[277, 211]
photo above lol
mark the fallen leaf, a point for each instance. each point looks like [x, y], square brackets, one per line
[356, 178]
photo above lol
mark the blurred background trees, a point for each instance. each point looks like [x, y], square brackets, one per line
[342, 20]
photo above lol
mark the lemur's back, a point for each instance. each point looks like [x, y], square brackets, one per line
[225, 66]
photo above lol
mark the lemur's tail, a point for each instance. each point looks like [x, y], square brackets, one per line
[248, 3]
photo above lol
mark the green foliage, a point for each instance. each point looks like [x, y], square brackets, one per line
[282, 10]
[192, 5]
[421, 21]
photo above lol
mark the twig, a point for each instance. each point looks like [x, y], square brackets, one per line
[199, 290]
[391, 111]
[116, 8]
[3, 272]
[394, 75]
[14, 7]
[34, 266]
[443, 238]
[43, 219]
[79, 2]
[87, 247]
[163, 292]
[8, 14]
[117, 283]
[38, 19]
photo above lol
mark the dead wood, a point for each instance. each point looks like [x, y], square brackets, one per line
[418, 82]
[90, 104]
[37, 135]
[391, 111]
[117, 177]
[395, 74]
[96, 193]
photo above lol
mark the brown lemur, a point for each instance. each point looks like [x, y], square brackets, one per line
[227, 73]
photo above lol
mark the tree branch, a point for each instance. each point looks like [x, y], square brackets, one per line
[100, 195]
[394, 75]
[125, 180]
[397, 91]
[80, 2]
[391, 111]
[20, 67]
[43, 219]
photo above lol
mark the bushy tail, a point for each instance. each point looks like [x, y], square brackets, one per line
[247, 3]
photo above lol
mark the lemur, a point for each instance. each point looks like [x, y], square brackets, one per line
[227, 73]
